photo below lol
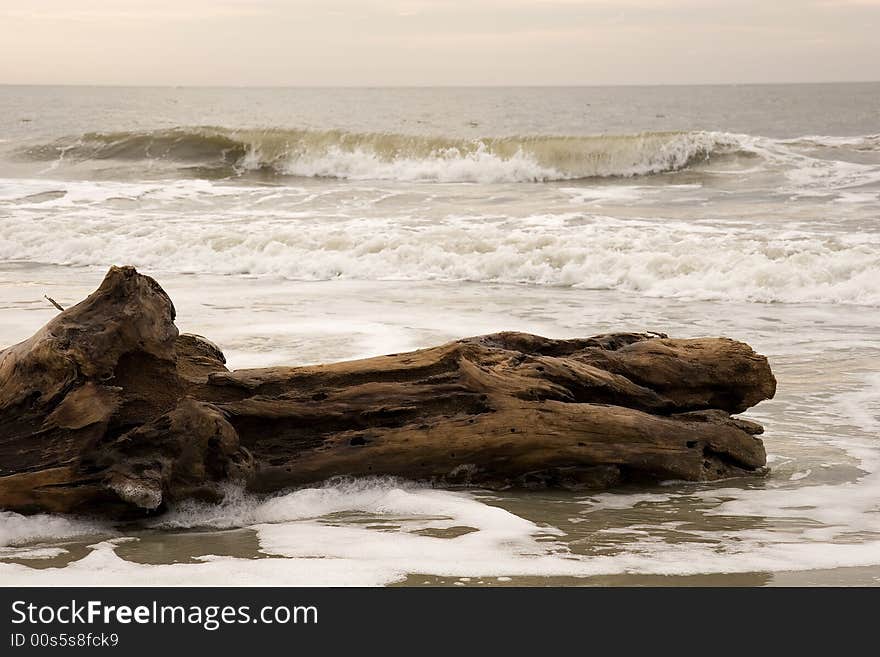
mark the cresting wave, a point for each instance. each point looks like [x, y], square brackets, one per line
[384, 156]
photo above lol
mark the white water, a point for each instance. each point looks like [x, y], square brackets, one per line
[421, 233]
[384, 156]
[399, 224]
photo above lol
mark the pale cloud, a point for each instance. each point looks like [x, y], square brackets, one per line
[128, 10]
[374, 42]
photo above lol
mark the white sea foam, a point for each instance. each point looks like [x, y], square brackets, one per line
[507, 160]
[650, 257]
[28, 553]
[376, 532]
[859, 197]
[479, 166]
[385, 560]
[17, 529]
[103, 567]
[380, 495]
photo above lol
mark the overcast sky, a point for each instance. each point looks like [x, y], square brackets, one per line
[437, 42]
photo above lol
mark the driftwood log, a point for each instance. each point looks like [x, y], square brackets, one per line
[109, 410]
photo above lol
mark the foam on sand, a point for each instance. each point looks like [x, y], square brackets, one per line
[19, 530]
[373, 532]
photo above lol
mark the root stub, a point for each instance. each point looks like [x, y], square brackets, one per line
[109, 410]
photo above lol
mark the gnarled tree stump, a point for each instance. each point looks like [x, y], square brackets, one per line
[108, 410]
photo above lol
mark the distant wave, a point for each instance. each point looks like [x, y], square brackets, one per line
[383, 156]
[864, 143]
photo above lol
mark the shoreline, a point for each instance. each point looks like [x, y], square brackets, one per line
[813, 348]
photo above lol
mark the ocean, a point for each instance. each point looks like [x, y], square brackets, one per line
[296, 226]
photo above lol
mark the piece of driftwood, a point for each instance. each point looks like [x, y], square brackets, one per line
[108, 410]
[53, 302]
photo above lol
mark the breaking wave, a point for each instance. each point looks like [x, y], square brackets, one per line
[650, 257]
[384, 156]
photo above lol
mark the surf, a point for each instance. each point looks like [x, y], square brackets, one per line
[389, 156]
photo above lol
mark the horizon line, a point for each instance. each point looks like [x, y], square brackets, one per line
[430, 86]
